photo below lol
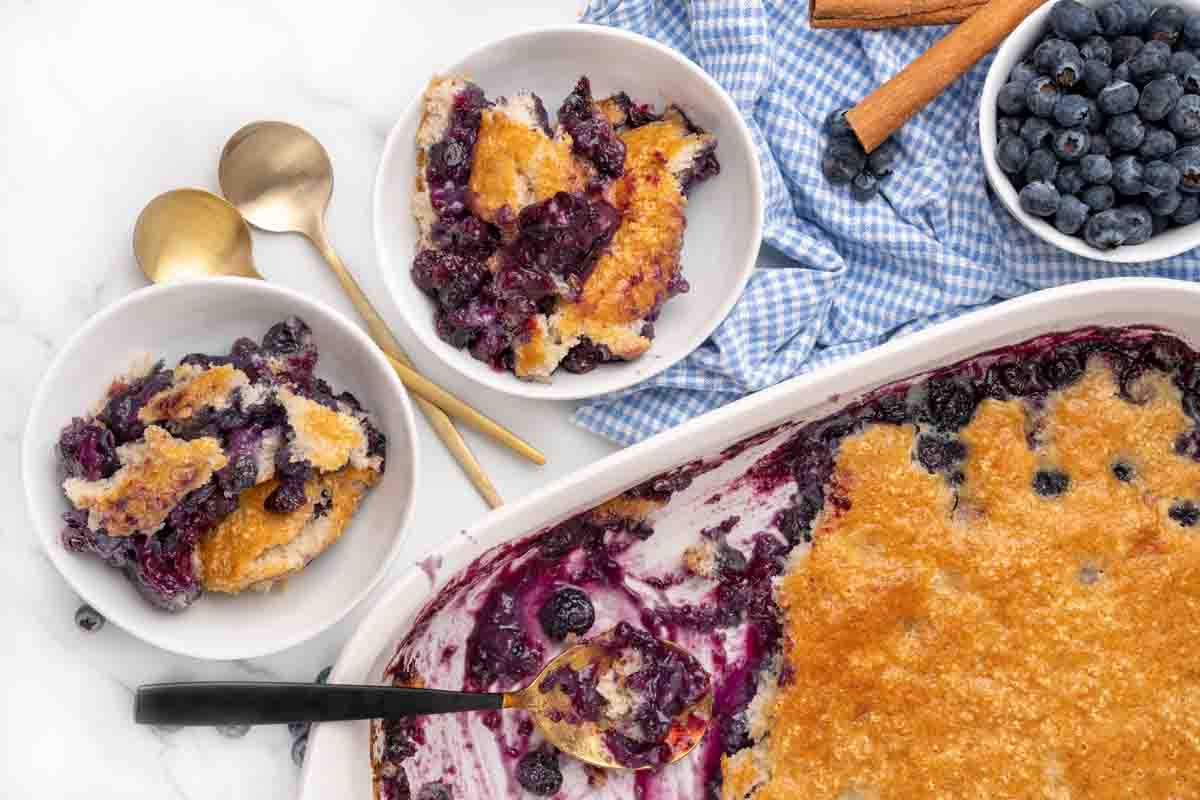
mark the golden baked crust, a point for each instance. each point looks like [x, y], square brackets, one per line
[253, 546]
[155, 475]
[326, 438]
[194, 388]
[631, 279]
[1014, 646]
[516, 164]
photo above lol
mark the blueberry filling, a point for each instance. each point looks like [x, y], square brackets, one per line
[567, 611]
[538, 772]
[161, 565]
[592, 135]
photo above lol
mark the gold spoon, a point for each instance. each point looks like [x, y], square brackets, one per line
[230, 703]
[192, 233]
[280, 177]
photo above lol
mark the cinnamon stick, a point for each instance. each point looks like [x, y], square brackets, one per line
[889, 13]
[891, 105]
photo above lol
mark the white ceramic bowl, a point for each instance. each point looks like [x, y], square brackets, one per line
[1017, 46]
[724, 214]
[336, 763]
[207, 316]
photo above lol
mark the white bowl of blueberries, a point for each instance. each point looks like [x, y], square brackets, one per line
[1090, 127]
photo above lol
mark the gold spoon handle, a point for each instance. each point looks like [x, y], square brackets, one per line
[417, 383]
[383, 337]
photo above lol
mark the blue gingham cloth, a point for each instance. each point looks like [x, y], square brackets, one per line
[841, 277]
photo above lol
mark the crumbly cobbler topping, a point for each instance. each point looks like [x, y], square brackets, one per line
[168, 455]
[547, 246]
[1029, 635]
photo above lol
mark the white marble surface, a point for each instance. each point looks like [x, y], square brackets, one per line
[102, 106]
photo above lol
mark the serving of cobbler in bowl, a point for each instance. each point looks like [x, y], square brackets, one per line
[220, 456]
[561, 237]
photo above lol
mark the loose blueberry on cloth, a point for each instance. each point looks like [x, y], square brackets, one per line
[838, 276]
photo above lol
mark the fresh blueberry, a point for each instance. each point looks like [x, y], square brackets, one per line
[1152, 61]
[1159, 177]
[1165, 204]
[1040, 199]
[1050, 483]
[1125, 132]
[1099, 198]
[1161, 224]
[1073, 20]
[1041, 96]
[1105, 230]
[1111, 19]
[1184, 119]
[1042, 166]
[1096, 169]
[1071, 110]
[1068, 71]
[1011, 99]
[1070, 180]
[1119, 97]
[1139, 224]
[1122, 471]
[1137, 14]
[836, 125]
[1096, 75]
[1159, 97]
[882, 161]
[538, 772]
[1072, 144]
[1185, 512]
[88, 619]
[1191, 80]
[1023, 72]
[1100, 145]
[1191, 31]
[1007, 126]
[1011, 154]
[1125, 48]
[1166, 24]
[1037, 132]
[844, 158]
[1182, 61]
[1127, 175]
[1121, 73]
[1187, 161]
[1051, 52]
[1071, 216]
[864, 186]
[1096, 48]
[1159, 143]
[1188, 211]
[569, 610]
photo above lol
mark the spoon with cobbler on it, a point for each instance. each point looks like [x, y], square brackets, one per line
[620, 700]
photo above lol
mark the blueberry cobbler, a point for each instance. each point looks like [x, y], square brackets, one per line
[228, 472]
[551, 244]
[981, 582]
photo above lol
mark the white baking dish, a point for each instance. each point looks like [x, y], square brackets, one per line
[337, 763]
